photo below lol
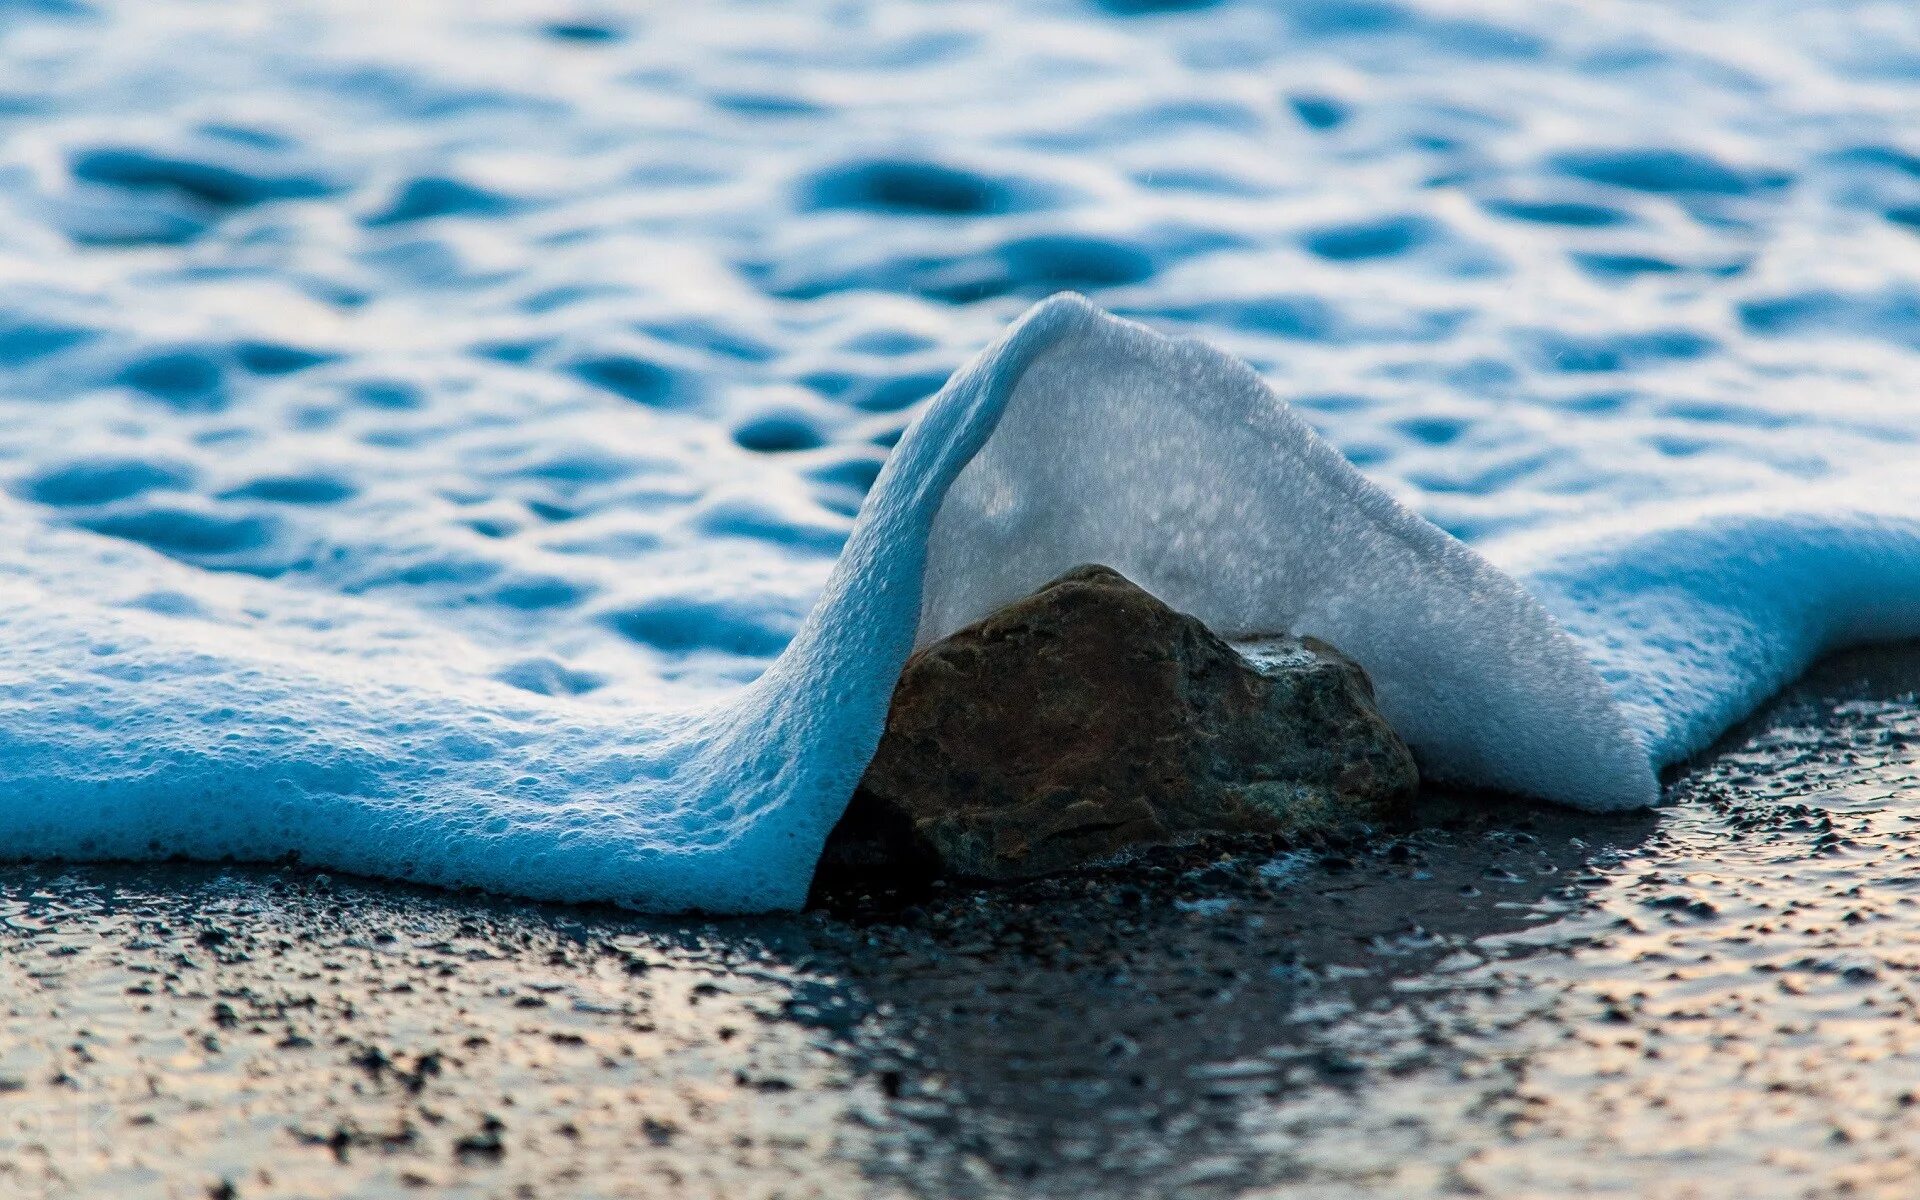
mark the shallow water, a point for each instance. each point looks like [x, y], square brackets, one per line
[568, 331]
[445, 382]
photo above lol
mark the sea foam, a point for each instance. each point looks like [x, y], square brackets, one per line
[489, 455]
[149, 710]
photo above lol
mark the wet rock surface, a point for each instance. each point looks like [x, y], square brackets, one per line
[1714, 1000]
[1090, 718]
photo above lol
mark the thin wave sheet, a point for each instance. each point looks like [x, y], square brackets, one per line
[1697, 612]
[150, 710]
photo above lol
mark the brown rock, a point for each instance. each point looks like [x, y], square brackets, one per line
[1090, 718]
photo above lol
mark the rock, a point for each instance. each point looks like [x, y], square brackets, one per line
[1090, 718]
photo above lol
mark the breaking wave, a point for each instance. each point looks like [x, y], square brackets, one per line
[149, 710]
[504, 451]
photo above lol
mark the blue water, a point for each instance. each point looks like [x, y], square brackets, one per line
[422, 426]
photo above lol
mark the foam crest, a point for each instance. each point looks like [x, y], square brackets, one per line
[1175, 464]
[149, 709]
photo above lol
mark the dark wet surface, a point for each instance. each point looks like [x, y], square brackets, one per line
[1714, 1000]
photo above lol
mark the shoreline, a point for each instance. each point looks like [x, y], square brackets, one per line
[1504, 997]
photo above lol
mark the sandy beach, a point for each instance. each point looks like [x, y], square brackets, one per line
[1712, 1000]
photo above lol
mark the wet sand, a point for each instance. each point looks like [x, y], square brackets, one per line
[1718, 999]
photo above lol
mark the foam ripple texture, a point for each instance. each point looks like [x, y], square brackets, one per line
[1696, 613]
[497, 443]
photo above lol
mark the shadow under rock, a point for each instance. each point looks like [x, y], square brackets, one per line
[1096, 1034]
[1104, 1034]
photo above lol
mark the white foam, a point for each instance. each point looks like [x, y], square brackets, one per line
[411, 449]
[1176, 465]
[149, 709]
[240, 718]
[1696, 612]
